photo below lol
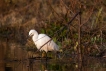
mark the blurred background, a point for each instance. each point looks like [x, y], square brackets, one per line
[17, 17]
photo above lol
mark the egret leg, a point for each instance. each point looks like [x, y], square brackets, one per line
[42, 55]
[57, 55]
[46, 56]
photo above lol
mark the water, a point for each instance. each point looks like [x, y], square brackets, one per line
[51, 65]
[14, 58]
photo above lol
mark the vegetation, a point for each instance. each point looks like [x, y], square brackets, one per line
[48, 16]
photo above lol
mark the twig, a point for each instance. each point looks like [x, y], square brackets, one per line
[53, 9]
[79, 38]
[90, 13]
[60, 29]
[44, 44]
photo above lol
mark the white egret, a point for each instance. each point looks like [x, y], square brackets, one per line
[43, 39]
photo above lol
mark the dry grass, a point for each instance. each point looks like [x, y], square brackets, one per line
[18, 17]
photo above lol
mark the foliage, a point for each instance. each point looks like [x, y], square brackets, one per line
[50, 16]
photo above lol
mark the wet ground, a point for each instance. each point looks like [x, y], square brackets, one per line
[14, 58]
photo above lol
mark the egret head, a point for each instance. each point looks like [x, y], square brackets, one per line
[32, 32]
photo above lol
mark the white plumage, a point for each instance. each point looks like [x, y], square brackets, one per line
[41, 39]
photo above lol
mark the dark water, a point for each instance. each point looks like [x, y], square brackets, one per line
[51, 65]
[14, 58]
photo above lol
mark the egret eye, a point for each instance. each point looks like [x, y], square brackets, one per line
[31, 34]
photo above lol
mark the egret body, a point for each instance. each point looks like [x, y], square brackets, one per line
[41, 39]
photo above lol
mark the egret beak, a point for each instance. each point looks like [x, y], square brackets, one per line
[28, 37]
